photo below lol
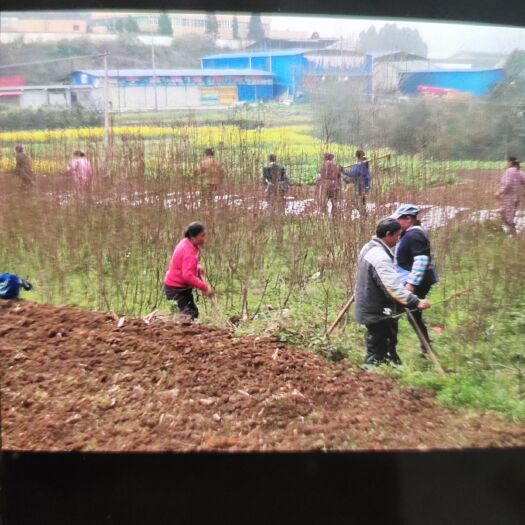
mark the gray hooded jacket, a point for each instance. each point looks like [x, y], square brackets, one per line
[379, 291]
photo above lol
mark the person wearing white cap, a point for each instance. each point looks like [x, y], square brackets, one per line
[413, 259]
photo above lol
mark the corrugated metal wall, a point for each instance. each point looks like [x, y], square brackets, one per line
[255, 93]
[289, 73]
[263, 63]
[226, 63]
[140, 98]
[218, 96]
[288, 69]
[33, 99]
[478, 83]
[177, 97]
[58, 99]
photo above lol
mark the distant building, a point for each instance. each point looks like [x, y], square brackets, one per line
[15, 92]
[286, 34]
[138, 89]
[290, 43]
[477, 82]
[387, 67]
[182, 23]
[43, 25]
[478, 60]
[11, 89]
[287, 66]
[338, 64]
[298, 69]
[335, 60]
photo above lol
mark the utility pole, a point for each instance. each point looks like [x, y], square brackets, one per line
[106, 101]
[154, 74]
[69, 59]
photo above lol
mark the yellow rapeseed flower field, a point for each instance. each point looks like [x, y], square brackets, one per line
[295, 145]
[299, 136]
[47, 167]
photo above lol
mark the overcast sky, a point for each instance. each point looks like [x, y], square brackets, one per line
[442, 39]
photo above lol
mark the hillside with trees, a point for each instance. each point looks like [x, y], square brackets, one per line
[126, 52]
[392, 38]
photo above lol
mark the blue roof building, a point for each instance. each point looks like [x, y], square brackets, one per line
[295, 69]
[251, 85]
[478, 82]
[144, 77]
[287, 66]
[139, 89]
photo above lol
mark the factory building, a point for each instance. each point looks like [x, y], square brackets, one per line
[477, 82]
[391, 73]
[300, 70]
[258, 76]
[287, 67]
[147, 89]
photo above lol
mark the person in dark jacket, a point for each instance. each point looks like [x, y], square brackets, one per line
[360, 175]
[24, 167]
[413, 259]
[275, 178]
[380, 294]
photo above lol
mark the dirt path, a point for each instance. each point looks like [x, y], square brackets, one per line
[74, 380]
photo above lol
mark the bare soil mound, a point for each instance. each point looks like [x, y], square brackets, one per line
[75, 380]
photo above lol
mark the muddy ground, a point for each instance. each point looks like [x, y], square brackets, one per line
[77, 380]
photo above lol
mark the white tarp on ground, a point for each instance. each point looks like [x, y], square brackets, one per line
[432, 216]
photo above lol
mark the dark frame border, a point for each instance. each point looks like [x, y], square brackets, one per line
[511, 12]
[467, 486]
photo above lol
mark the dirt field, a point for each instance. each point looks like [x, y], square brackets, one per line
[75, 380]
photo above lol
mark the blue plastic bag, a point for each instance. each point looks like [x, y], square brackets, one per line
[10, 285]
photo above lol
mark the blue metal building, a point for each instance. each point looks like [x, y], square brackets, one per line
[478, 82]
[287, 66]
[350, 68]
[181, 87]
[296, 69]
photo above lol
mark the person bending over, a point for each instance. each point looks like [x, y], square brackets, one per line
[185, 272]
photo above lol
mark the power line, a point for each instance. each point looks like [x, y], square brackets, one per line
[106, 94]
[22, 64]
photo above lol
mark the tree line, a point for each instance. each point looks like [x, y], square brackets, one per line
[130, 25]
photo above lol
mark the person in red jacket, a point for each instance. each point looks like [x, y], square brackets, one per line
[185, 273]
[329, 183]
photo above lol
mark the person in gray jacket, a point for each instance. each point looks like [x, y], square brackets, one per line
[380, 294]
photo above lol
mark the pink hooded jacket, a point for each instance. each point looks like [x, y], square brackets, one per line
[184, 270]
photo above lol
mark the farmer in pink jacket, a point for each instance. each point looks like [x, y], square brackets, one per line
[185, 273]
[512, 183]
[80, 168]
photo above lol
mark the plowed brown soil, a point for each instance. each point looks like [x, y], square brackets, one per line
[74, 380]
